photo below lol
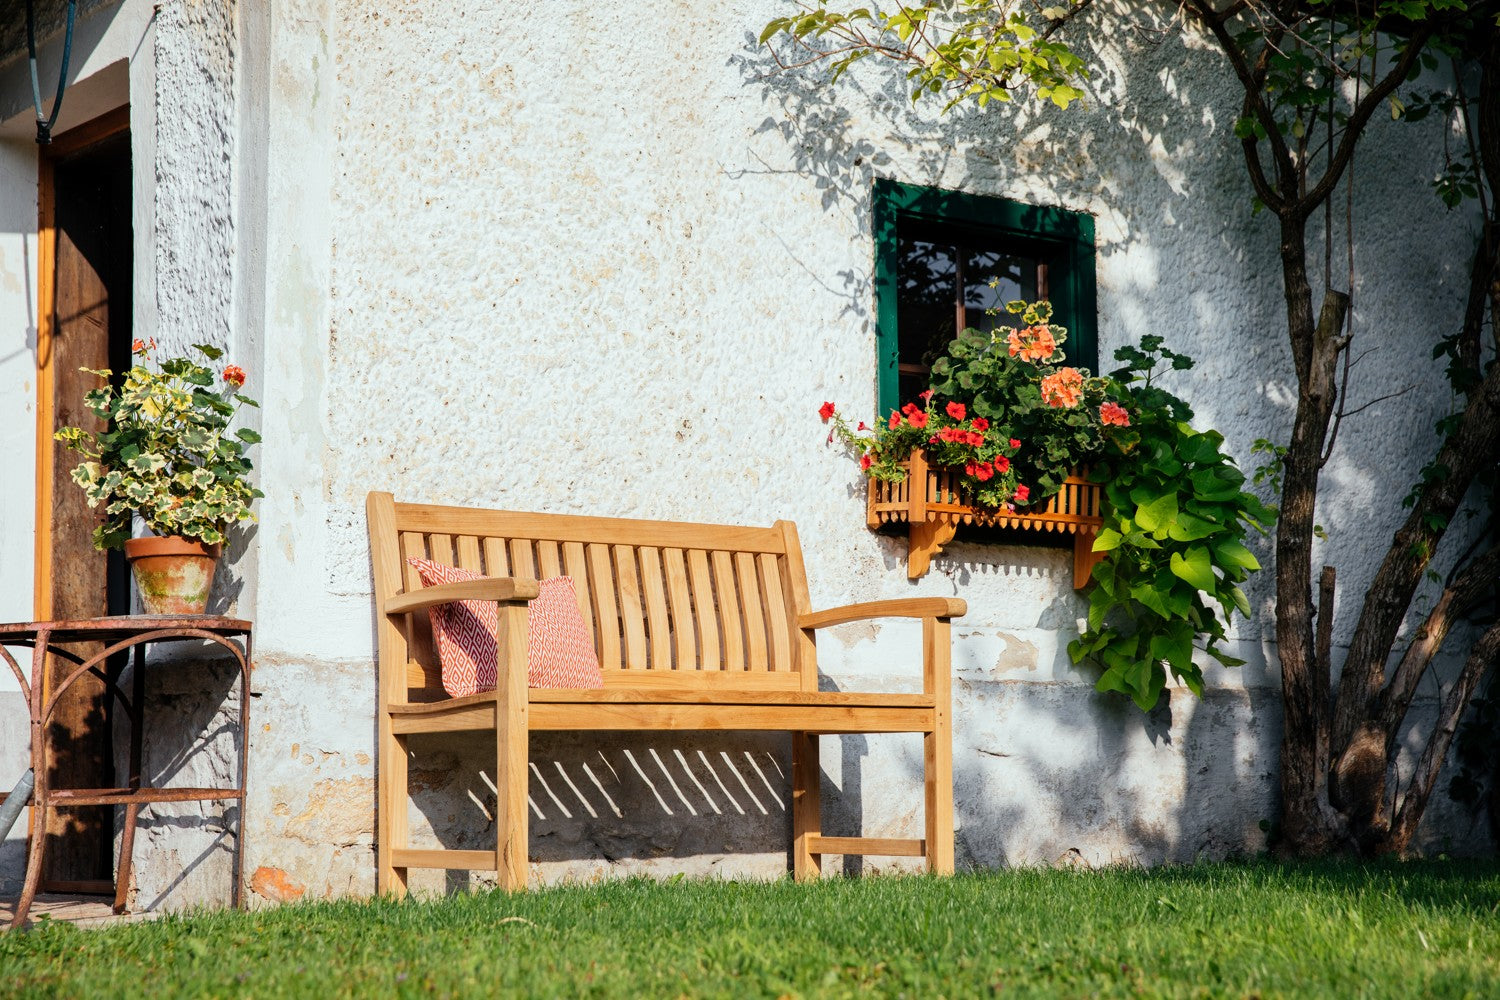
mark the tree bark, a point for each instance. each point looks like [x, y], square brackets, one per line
[1484, 655]
[1308, 825]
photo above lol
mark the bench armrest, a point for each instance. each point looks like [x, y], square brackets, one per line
[903, 607]
[489, 588]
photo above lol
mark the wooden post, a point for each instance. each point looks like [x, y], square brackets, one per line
[807, 821]
[937, 746]
[511, 745]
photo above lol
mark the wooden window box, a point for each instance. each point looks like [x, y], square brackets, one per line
[929, 502]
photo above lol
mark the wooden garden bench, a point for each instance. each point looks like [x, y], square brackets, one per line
[697, 627]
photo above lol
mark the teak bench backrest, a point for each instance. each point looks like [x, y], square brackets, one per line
[670, 604]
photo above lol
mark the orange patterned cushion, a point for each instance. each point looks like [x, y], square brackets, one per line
[559, 648]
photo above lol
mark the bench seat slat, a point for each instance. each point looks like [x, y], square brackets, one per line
[623, 696]
[656, 715]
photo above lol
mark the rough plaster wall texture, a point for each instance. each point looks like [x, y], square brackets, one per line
[629, 301]
[195, 143]
[183, 851]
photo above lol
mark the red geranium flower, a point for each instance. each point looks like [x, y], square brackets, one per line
[925, 396]
[1002, 464]
[981, 424]
[861, 426]
[825, 411]
[957, 411]
[918, 419]
[976, 438]
[234, 375]
[1022, 494]
[985, 472]
[1014, 443]
[865, 461]
[895, 420]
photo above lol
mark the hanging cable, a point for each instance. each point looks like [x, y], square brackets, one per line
[44, 122]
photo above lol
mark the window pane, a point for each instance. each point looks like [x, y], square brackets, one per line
[991, 279]
[926, 308]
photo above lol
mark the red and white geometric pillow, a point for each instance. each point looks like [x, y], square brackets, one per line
[559, 648]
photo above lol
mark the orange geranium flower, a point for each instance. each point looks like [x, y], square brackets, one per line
[234, 375]
[1063, 388]
[1033, 343]
[1114, 414]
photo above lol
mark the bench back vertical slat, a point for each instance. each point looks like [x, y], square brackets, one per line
[680, 603]
[750, 602]
[668, 604]
[576, 566]
[794, 579]
[729, 610]
[705, 610]
[654, 590]
[628, 589]
[606, 611]
[496, 563]
[548, 560]
[778, 624]
[522, 563]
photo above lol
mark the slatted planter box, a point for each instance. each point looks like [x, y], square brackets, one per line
[931, 505]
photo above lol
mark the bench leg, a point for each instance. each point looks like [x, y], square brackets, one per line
[510, 808]
[511, 745]
[807, 822]
[391, 809]
[937, 749]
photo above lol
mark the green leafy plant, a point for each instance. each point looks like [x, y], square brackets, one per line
[1175, 518]
[166, 453]
[1003, 409]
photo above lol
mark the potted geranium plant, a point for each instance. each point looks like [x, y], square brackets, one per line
[167, 455]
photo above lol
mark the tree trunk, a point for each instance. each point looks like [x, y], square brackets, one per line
[1308, 825]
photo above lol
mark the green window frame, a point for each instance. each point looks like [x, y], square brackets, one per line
[1064, 239]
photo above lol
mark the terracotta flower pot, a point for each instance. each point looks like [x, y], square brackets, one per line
[173, 575]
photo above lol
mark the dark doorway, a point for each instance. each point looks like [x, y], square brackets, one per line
[85, 225]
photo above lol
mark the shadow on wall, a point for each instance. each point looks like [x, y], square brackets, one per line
[184, 851]
[608, 797]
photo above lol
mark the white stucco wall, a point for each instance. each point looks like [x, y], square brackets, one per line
[603, 260]
[626, 294]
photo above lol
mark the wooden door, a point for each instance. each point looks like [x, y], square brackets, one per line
[86, 274]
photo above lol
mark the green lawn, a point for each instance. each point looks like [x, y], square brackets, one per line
[1428, 929]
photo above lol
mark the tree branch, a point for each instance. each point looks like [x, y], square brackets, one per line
[1253, 79]
[1360, 117]
[1460, 596]
[1483, 656]
[1472, 445]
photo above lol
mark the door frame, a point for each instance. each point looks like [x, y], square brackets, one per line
[109, 124]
